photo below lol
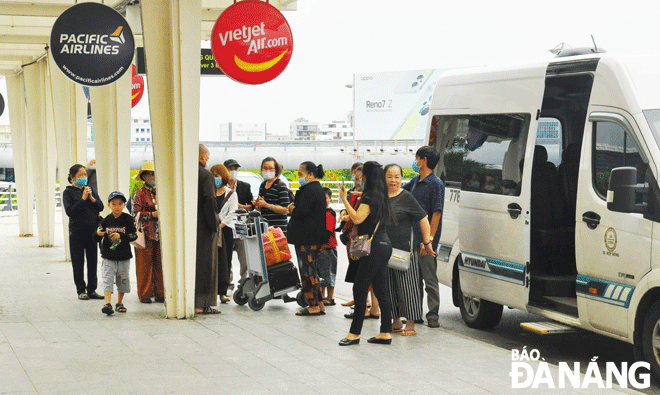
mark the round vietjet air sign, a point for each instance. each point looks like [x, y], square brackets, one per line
[252, 42]
[92, 44]
[137, 88]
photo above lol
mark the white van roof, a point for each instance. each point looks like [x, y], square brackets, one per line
[638, 77]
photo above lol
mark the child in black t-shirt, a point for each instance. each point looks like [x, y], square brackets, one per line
[116, 230]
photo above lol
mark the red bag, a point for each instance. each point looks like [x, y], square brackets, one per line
[276, 248]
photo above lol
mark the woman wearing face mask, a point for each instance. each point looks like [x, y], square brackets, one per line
[308, 233]
[83, 205]
[227, 201]
[148, 262]
[273, 197]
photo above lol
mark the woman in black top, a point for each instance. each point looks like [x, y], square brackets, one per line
[273, 197]
[308, 232]
[83, 205]
[372, 218]
[405, 287]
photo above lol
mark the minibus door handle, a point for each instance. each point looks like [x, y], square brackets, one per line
[592, 219]
[514, 210]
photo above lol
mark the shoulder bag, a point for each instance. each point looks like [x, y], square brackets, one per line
[400, 259]
[361, 245]
[140, 242]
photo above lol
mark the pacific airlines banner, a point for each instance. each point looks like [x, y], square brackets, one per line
[92, 44]
[393, 105]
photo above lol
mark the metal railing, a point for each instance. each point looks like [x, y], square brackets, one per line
[9, 197]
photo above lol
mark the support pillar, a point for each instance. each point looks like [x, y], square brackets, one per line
[172, 45]
[21, 154]
[69, 110]
[42, 146]
[111, 117]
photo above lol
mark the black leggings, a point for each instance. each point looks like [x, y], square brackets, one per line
[82, 245]
[372, 271]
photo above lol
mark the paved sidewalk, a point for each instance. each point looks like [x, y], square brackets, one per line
[53, 343]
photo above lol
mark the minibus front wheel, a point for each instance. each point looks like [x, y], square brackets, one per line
[478, 313]
[651, 339]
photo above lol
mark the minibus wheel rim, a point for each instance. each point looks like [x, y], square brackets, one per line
[656, 341]
[471, 305]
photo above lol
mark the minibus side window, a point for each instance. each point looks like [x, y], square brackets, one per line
[486, 152]
[613, 147]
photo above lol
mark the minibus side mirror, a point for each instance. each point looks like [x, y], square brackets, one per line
[623, 190]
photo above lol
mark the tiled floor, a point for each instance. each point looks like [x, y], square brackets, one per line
[53, 343]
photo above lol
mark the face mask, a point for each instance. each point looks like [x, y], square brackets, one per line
[415, 167]
[150, 183]
[218, 182]
[302, 181]
[474, 185]
[353, 179]
[81, 182]
[233, 174]
[269, 175]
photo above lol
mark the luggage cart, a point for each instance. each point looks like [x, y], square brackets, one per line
[262, 283]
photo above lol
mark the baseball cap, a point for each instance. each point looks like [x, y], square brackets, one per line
[116, 194]
[231, 163]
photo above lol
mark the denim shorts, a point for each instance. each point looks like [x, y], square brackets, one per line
[116, 272]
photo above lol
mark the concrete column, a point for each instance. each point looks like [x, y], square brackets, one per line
[21, 154]
[111, 116]
[171, 31]
[42, 146]
[69, 111]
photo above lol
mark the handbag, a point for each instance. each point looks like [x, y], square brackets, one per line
[361, 245]
[400, 259]
[139, 243]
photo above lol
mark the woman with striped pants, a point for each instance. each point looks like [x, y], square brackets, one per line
[405, 287]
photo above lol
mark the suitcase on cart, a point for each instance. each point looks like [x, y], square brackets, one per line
[282, 275]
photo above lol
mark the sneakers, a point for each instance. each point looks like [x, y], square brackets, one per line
[107, 309]
[83, 296]
[433, 323]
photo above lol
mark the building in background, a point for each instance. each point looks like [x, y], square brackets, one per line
[5, 134]
[141, 130]
[243, 131]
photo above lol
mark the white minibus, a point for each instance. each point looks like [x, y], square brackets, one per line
[552, 200]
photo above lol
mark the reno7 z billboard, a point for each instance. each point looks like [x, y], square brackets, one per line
[393, 105]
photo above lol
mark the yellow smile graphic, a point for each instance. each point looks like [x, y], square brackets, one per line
[257, 67]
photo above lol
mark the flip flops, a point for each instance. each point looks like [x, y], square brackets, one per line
[209, 310]
[408, 332]
[305, 312]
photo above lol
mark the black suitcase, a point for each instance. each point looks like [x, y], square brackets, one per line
[283, 275]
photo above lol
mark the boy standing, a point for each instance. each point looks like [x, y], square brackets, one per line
[327, 259]
[116, 230]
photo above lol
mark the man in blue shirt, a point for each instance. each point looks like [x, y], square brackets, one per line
[429, 191]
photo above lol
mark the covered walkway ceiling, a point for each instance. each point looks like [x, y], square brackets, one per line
[25, 25]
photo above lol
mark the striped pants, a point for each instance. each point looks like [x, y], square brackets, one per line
[406, 292]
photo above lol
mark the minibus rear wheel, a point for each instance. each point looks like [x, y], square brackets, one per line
[478, 313]
[651, 339]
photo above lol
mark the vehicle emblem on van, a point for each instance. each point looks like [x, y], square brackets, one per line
[610, 239]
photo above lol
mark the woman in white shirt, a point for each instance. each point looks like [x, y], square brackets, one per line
[227, 205]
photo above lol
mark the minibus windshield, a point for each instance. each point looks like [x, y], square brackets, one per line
[653, 118]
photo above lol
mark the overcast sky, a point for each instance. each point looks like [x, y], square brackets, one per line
[335, 39]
